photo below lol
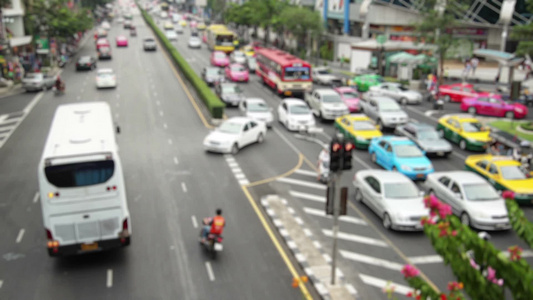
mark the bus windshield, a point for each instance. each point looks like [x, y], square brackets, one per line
[224, 40]
[80, 174]
[296, 73]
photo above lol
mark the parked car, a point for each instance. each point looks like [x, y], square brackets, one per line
[426, 137]
[494, 106]
[149, 44]
[230, 93]
[385, 111]
[365, 81]
[350, 97]
[212, 75]
[326, 104]
[358, 128]
[38, 81]
[400, 154]
[86, 63]
[397, 92]
[234, 134]
[258, 110]
[393, 197]
[219, 59]
[459, 91]
[464, 130]
[322, 75]
[294, 114]
[471, 198]
[237, 73]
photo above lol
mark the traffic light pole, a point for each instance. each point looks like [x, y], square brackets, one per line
[336, 208]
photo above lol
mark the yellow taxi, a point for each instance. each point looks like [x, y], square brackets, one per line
[248, 50]
[201, 26]
[465, 130]
[358, 128]
[504, 173]
[168, 26]
[183, 23]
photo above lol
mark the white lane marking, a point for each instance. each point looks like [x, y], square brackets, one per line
[429, 113]
[233, 164]
[380, 283]
[161, 113]
[155, 94]
[184, 187]
[357, 159]
[176, 160]
[236, 170]
[109, 282]
[322, 213]
[209, 271]
[371, 260]
[244, 182]
[194, 222]
[3, 117]
[158, 103]
[426, 259]
[302, 183]
[26, 111]
[416, 111]
[20, 235]
[305, 172]
[240, 176]
[169, 141]
[282, 136]
[356, 238]
[82, 90]
[1, 283]
[165, 126]
[306, 196]
[36, 197]
[351, 289]
[230, 159]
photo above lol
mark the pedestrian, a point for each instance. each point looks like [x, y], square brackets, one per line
[429, 82]
[466, 70]
[474, 61]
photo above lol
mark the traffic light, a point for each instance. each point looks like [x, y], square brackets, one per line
[335, 155]
[347, 156]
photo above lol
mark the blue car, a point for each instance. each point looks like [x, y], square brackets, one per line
[402, 155]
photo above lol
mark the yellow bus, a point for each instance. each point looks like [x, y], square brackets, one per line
[220, 39]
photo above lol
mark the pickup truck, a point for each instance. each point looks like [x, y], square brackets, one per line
[38, 81]
[326, 104]
[321, 75]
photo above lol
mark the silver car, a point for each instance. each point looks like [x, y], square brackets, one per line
[38, 81]
[426, 137]
[397, 92]
[258, 110]
[471, 197]
[195, 42]
[393, 197]
[385, 111]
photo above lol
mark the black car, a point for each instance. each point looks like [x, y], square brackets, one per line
[212, 75]
[104, 53]
[149, 44]
[86, 63]
[230, 93]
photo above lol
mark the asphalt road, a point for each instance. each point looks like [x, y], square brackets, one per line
[370, 255]
[171, 185]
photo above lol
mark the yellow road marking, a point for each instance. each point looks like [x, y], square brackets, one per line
[266, 180]
[276, 243]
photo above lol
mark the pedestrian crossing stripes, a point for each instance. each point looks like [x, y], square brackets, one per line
[8, 124]
[371, 260]
[237, 172]
[380, 283]
[308, 196]
[322, 213]
[302, 183]
[356, 238]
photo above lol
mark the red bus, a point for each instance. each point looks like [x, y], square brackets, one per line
[285, 73]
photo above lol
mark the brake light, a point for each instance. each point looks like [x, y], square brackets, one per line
[109, 188]
[51, 242]
[125, 224]
[219, 240]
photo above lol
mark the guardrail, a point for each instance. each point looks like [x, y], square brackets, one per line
[211, 101]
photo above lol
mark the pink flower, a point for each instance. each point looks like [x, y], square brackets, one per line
[454, 233]
[444, 210]
[410, 271]
[499, 282]
[473, 264]
[508, 194]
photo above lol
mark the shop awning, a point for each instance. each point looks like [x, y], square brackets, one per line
[504, 58]
[373, 45]
[20, 41]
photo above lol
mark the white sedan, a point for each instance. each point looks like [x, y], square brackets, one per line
[471, 197]
[171, 35]
[257, 109]
[393, 197]
[295, 114]
[397, 92]
[195, 42]
[238, 57]
[234, 134]
[106, 78]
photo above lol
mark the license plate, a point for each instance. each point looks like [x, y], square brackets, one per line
[440, 153]
[420, 175]
[500, 225]
[89, 247]
[218, 247]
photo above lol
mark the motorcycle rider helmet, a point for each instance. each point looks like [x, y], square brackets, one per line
[219, 212]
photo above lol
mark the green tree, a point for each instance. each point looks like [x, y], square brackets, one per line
[302, 23]
[524, 35]
[94, 3]
[217, 8]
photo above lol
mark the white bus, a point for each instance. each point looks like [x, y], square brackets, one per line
[81, 185]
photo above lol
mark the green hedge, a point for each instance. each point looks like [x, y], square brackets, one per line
[213, 103]
[527, 126]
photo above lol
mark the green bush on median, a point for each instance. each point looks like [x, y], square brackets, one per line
[213, 103]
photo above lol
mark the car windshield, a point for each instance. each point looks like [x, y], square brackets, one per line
[105, 74]
[230, 127]
[472, 126]
[331, 99]
[299, 110]
[480, 192]
[363, 125]
[407, 151]
[323, 72]
[104, 49]
[149, 40]
[85, 60]
[33, 75]
[388, 106]
[512, 173]
[231, 89]
[350, 95]
[238, 54]
[237, 69]
[400, 190]
[428, 135]
[220, 55]
[213, 72]
[296, 73]
[194, 39]
[257, 107]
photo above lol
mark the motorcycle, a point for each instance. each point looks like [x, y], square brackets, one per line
[60, 90]
[213, 242]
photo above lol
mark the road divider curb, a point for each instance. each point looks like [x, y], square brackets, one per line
[304, 246]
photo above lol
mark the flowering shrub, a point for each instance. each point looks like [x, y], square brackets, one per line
[409, 271]
[519, 222]
[422, 290]
[516, 253]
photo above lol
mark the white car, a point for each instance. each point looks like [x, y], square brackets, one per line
[257, 109]
[195, 42]
[105, 25]
[105, 78]
[393, 197]
[234, 134]
[171, 35]
[322, 75]
[471, 197]
[295, 114]
[179, 29]
[238, 57]
[397, 92]
[163, 15]
[326, 104]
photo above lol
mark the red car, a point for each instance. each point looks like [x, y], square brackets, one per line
[122, 41]
[459, 91]
[493, 105]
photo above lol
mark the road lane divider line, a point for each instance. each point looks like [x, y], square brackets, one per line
[161, 113]
[306, 196]
[82, 90]
[109, 281]
[36, 197]
[288, 173]
[305, 172]
[426, 259]
[356, 238]
[322, 213]
[1, 283]
[165, 125]
[20, 235]
[302, 183]
[194, 222]
[381, 284]
[26, 112]
[276, 242]
[155, 94]
[209, 271]
[170, 141]
[176, 160]
[184, 187]
[158, 103]
[387, 264]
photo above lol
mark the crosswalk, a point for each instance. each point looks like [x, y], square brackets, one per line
[8, 124]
